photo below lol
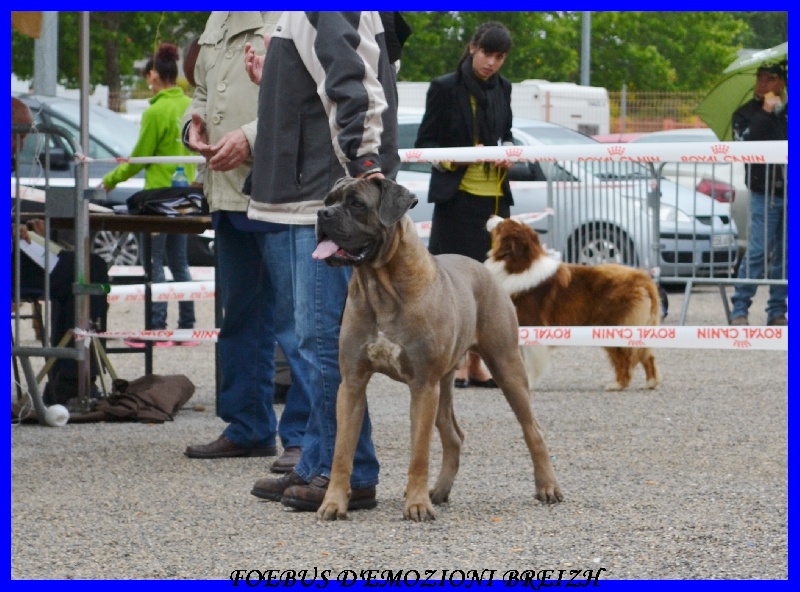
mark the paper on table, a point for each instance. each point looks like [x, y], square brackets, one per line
[35, 250]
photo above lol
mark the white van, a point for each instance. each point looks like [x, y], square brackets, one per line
[582, 108]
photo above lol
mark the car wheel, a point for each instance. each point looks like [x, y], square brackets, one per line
[116, 248]
[601, 244]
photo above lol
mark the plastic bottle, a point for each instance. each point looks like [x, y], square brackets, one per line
[179, 178]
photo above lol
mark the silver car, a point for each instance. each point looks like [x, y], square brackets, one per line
[601, 212]
[110, 136]
[722, 181]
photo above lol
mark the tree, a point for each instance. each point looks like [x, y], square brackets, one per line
[766, 29]
[667, 51]
[116, 41]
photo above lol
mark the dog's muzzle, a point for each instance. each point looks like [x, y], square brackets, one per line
[330, 251]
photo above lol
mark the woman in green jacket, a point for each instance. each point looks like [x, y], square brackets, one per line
[160, 135]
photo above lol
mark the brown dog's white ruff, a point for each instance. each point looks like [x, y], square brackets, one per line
[548, 293]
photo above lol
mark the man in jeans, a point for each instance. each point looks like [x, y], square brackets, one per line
[764, 118]
[256, 295]
[306, 141]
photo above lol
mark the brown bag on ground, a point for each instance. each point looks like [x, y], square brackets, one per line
[149, 399]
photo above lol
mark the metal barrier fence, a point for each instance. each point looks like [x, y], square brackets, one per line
[75, 204]
[649, 111]
[679, 210]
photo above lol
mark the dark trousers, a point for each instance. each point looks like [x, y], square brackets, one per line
[63, 375]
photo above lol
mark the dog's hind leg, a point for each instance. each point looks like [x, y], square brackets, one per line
[452, 438]
[624, 361]
[505, 364]
[652, 373]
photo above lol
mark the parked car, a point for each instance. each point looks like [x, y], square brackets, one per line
[617, 138]
[110, 136]
[601, 211]
[723, 182]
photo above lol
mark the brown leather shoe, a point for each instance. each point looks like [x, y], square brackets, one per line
[224, 448]
[308, 498]
[779, 321]
[270, 488]
[739, 322]
[287, 460]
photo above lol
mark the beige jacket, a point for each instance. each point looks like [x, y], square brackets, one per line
[225, 96]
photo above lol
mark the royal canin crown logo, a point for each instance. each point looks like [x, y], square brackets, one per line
[616, 150]
[413, 154]
[515, 151]
[720, 149]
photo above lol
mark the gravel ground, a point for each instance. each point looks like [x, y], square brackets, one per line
[688, 482]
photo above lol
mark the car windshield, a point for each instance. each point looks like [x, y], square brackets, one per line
[666, 138]
[553, 135]
[106, 127]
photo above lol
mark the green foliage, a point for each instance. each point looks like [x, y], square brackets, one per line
[116, 41]
[664, 51]
[654, 51]
[766, 29]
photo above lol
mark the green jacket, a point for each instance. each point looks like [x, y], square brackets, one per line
[160, 135]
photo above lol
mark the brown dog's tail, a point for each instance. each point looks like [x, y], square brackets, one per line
[651, 289]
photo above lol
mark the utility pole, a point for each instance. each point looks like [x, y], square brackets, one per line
[586, 44]
[45, 56]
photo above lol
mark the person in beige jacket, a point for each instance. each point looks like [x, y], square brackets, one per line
[221, 125]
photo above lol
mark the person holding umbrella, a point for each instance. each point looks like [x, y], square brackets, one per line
[764, 118]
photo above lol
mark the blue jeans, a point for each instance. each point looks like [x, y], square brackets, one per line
[256, 293]
[320, 293]
[171, 249]
[767, 241]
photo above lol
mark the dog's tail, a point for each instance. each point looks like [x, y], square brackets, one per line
[536, 360]
[656, 310]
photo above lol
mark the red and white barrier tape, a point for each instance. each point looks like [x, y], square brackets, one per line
[680, 337]
[166, 292]
[153, 334]
[424, 228]
[691, 152]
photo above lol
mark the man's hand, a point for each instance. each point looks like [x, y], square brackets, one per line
[35, 225]
[254, 64]
[231, 151]
[771, 101]
[198, 137]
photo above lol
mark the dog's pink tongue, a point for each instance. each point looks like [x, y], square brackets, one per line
[325, 249]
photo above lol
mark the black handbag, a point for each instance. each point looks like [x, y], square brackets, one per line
[168, 201]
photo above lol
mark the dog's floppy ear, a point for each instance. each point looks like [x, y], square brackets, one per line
[396, 200]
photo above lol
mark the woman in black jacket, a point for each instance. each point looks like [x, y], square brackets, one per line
[469, 107]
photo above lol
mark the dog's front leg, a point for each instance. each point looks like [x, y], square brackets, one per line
[351, 403]
[424, 403]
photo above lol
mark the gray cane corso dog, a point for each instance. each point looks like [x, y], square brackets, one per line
[412, 317]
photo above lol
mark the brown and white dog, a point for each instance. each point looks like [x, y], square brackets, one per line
[548, 293]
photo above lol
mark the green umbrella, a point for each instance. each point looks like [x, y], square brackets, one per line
[736, 88]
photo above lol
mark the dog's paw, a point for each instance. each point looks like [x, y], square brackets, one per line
[549, 493]
[439, 497]
[332, 511]
[419, 512]
[613, 387]
[651, 384]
